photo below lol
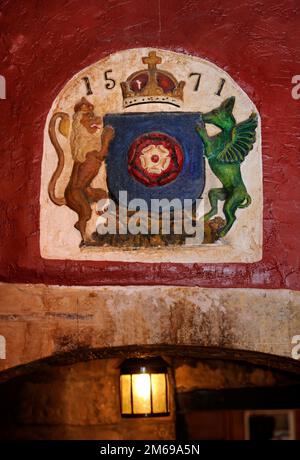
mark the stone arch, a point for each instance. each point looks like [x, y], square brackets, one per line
[264, 360]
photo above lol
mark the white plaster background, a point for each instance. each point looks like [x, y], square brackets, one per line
[60, 240]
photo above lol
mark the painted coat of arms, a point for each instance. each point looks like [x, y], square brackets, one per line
[149, 167]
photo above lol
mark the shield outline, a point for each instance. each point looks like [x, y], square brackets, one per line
[190, 182]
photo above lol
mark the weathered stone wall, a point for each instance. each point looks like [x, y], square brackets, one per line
[216, 374]
[81, 401]
[39, 321]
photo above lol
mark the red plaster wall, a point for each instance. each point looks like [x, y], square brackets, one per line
[44, 43]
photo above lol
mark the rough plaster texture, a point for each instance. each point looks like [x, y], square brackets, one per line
[46, 43]
[40, 321]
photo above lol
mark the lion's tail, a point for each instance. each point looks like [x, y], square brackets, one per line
[248, 201]
[64, 119]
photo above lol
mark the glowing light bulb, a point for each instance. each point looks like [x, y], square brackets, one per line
[141, 393]
[141, 385]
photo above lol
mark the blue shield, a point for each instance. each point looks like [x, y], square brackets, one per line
[189, 178]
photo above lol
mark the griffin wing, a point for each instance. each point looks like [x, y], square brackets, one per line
[242, 139]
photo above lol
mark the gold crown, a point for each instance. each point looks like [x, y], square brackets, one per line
[152, 85]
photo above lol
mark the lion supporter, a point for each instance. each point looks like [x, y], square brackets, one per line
[87, 159]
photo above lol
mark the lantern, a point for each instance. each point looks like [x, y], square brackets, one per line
[144, 388]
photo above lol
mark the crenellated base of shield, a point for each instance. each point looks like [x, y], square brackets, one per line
[164, 237]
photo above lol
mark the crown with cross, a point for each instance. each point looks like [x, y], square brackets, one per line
[152, 85]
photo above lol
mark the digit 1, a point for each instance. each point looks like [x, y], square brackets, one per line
[222, 83]
[88, 86]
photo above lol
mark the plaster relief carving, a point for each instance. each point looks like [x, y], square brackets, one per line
[145, 130]
[88, 152]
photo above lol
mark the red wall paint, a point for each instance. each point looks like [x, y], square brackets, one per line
[43, 44]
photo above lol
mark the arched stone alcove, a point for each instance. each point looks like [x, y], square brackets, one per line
[75, 395]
